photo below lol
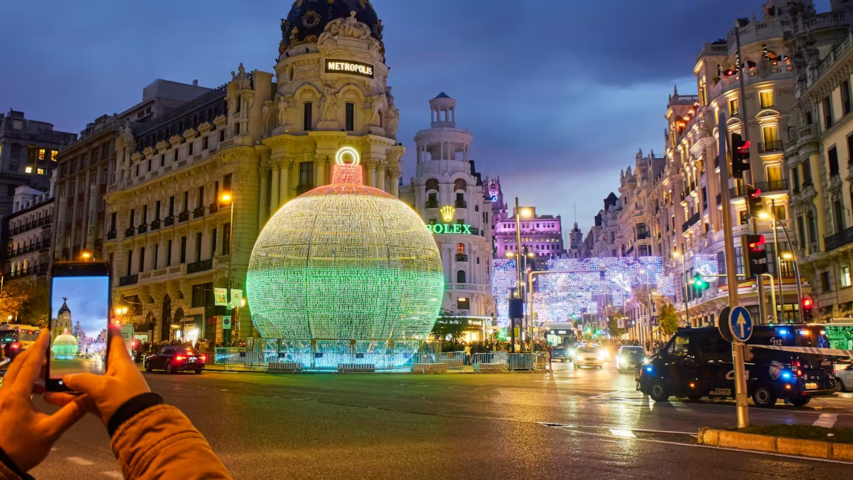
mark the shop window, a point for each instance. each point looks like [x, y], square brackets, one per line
[463, 304]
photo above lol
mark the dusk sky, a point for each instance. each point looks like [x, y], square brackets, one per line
[559, 95]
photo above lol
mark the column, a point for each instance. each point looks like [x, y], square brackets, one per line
[380, 177]
[395, 182]
[283, 193]
[819, 200]
[264, 203]
[320, 170]
[275, 189]
[371, 174]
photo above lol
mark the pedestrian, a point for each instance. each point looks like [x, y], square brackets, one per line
[149, 438]
[550, 358]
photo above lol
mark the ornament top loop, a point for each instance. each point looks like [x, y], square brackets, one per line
[344, 151]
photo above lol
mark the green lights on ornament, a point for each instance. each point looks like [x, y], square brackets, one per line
[345, 261]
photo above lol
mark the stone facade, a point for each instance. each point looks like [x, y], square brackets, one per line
[27, 233]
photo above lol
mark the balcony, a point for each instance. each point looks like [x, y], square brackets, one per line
[128, 280]
[201, 266]
[432, 204]
[470, 287]
[300, 189]
[169, 221]
[142, 229]
[737, 192]
[690, 222]
[776, 146]
[461, 257]
[155, 225]
[839, 239]
[183, 216]
[111, 235]
[198, 212]
[461, 204]
[773, 185]
[213, 208]
[129, 232]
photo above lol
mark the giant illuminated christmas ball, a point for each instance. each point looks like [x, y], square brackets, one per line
[64, 346]
[345, 261]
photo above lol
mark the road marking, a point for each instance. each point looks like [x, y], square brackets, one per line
[623, 433]
[680, 407]
[605, 394]
[826, 420]
[80, 461]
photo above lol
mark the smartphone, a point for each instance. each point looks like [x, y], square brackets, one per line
[79, 321]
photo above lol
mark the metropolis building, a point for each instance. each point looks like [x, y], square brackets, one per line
[449, 195]
[265, 137]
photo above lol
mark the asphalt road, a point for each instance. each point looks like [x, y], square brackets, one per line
[573, 424]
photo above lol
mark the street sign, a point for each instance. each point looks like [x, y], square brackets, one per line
[226, 322]
[723, 324]
[741, 323]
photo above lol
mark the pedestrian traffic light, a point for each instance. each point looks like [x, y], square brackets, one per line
[807, 306]
[740, 156]
[699, 283]
[753, 201]
[757, 254]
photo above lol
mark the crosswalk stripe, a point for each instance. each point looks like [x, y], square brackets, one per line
[80, 461]
[826, 420]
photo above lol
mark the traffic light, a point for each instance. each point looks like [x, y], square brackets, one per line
[753, 201]
[699, 283]
[757, 254]
[740, 156]
[807, 306]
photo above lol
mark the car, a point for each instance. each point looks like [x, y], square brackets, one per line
[173, 359]
[629, 357]
[590, 357]
[14, 339]
[844, 379]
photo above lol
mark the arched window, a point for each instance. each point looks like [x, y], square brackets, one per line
[459, 184]
[460, 276]
[432, 184]
[460, 249]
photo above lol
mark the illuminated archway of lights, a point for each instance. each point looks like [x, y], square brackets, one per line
[345, 262]
[557, 297]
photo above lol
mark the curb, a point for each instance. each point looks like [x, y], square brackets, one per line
[781, 445]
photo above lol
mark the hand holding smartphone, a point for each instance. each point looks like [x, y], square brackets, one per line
[79, 321]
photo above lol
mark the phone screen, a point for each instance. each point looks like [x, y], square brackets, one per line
[79, 323]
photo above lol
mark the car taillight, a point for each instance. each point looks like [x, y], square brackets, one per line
[180, 357]
[203, 358]
[15, 346]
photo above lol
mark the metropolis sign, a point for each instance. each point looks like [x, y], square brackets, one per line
[450, 228]
[350, 68]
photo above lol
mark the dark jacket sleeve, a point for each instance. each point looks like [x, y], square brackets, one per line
[10, 471]
[160, 442]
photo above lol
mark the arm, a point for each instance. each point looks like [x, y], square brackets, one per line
[153, 440]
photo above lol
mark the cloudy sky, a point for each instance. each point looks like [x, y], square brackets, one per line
[559, 95]
[87, 300]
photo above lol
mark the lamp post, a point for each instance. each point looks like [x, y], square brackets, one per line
[229, 199]
[121, 312]
[519, 260]
[677, 254]
[86, 255]
[518, 280]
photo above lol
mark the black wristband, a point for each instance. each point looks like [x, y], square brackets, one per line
[131, 408]
[5, 460]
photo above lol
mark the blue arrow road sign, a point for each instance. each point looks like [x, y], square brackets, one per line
[740, 323]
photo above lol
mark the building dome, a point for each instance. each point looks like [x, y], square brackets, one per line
[308, 19]
[64, 308]
[64, 346]
[345, 261]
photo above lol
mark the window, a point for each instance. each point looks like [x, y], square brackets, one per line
[838, 216]
[40, 171]
[201, 295]
[53, 154]
[460, 249]
[306, 174]
[41, 153]
[307, 116]
[226, 239]
[199, 203]
[183, 249]
[801, 230]
[463, 304]
[142, 259]
[144, 214]
[765, 98]
[113, 221]
[132, 215]
[350, 118]
[825, 284]
[189, 150]
[461, 277]
[733, 107]
[779, 212]
[226, 183]
[204, 142]
[162, 160]
[222, 136]
[807, 172]
[795, 177]
[129, 261]
[845, 97]
[213, 237]
[169, 254]
[186, 204]
[156, 254]
[172, 206]
[827, 113]
[771, 138]
[28, 169]
[845, 276]
[832, 157]
[198, 247]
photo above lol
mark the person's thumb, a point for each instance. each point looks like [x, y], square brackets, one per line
[84, 382]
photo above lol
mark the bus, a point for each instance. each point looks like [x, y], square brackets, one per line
[14, 339]
[562, 339]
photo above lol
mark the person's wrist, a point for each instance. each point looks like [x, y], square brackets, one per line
[130, 408]
[9, 463]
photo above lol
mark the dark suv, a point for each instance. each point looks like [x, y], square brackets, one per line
[173, 359]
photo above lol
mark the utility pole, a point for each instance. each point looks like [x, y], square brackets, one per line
[738, 349]
[745, 133]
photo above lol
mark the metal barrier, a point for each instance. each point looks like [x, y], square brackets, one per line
[285, 367]
[489, 367]
[453, 360]
[429, 368]
[490, 357]
[540, 361]
[521, 361]
[356, 368]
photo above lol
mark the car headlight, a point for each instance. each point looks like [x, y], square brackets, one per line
[646, 361]
[602, 355]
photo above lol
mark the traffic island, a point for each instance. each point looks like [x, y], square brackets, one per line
[796, 440]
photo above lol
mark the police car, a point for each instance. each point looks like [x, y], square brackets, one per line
[697, 363]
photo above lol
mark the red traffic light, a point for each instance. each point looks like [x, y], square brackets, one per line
[756, 242]
[807, 302]
[756, 193]
[744, 148]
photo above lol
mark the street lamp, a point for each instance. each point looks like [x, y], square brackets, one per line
[120, 312]
[786, 256]
[677, 254]
[527, 213]
[226, 197]
[86, 255]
